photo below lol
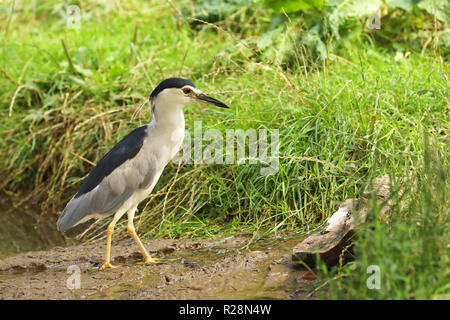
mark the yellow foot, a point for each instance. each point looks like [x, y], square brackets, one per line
[107, 265]
[150, 260]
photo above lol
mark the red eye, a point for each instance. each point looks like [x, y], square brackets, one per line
[187, 90]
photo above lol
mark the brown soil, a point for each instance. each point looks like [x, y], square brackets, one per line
[190, 269]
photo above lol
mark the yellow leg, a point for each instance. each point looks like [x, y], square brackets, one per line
[147, 258]
[132, 232]
[109, 231]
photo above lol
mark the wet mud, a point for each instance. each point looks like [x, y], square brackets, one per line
[189, 269]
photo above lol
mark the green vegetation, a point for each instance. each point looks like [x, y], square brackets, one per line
[412, 251]
[350, 104]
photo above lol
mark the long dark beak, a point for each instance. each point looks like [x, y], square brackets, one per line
[211, 100]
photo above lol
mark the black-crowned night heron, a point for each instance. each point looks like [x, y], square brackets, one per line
[127, 174]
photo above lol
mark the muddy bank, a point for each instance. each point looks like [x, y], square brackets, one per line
[190, 269]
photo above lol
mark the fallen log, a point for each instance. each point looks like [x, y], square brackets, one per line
[334, 243]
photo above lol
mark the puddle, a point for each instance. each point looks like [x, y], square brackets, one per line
[191, 269]
[34, 261]
[262, 272]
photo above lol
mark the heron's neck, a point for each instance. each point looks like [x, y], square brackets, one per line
[169, 117]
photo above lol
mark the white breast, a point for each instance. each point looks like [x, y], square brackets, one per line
[177, 138]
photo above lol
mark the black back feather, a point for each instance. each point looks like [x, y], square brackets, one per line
[126, 149]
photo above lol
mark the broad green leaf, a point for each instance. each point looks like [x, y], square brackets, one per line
[438, 8]
[344, 10]
[406, 5]
[294, 5]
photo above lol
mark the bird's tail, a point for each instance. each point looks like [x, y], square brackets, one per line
[68, 217]
[62, 224]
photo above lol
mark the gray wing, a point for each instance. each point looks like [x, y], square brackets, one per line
[111, 193]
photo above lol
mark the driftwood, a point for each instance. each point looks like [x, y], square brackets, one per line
[335, 241]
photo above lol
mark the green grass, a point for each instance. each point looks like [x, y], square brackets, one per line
[342, 123]
[411, 251]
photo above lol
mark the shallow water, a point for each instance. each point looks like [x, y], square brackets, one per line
[227, 268]
[265, 271]
[190, 269]
[22, 230]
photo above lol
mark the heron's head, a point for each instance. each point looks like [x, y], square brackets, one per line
[180, 92]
